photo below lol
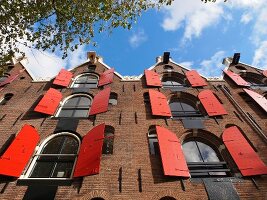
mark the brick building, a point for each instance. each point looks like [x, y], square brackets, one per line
[90, 133]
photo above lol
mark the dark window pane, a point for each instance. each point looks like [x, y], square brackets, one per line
[42, 169]
[191, 152]
[70, 146]
[153, 143]
[72, 102]
[187, 107]
[53, 146]
[63, 170]
[84, 101]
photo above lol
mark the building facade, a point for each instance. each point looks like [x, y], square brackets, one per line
[90, 133]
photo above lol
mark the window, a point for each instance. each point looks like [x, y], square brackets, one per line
[113, 99]
[202, 160]
[172, 82]
[87, 80]
[56, 157]
[108, 140]
[6, 98]
[75, 106]
[168, 68]
[181, 108]
[153, 141]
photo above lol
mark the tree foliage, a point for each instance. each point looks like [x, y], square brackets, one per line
[63, 24]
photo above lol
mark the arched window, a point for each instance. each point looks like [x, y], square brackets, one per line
[6, 98]
[183, 108]
[167, 198]
[87, 80]
[113, 99]
[56, 157]
[172, 82]
[108, 140]
[153, 141]
[75, 106]
[202, 159]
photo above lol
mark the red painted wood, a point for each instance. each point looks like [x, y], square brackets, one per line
[246, 159]
[211, 103]
[260, 100]
[49, 102]
[195, 79]
[106, 77]
[9, 80]
[63, 78]
[264, 73]
[18, 154]
[159, 104]
[236, 78]
[100, 102]
[152, 78]
[88, 162]
[172, 157]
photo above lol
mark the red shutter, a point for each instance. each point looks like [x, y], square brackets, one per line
[9, 80]
[18, 154]
[49, 102]
[63, 78]
[260, 100]
[246, 159]
[106, 77]
[88, 162]
[159, 104]
[100, 102]
[236, 78]
[264, 73]
[195, 79]
[172, 157]
[211, 103]
[152, 78]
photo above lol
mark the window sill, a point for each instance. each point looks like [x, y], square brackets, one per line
[45, 181]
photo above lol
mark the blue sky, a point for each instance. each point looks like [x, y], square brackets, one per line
[198, 36]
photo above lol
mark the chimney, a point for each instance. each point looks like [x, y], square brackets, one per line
[166, 57]
[236, 58]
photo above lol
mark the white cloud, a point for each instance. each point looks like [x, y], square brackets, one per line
[45, 65]
[213, 66]
[246, 18]
[187, 64]
[260, 56]
[137, 38]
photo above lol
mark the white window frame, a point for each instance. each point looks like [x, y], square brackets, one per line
[83, 74]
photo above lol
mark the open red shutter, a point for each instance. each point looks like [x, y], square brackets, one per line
[49, 102]
[152, 78]
[172, 157]
[260, 100]
[159, 104]
[211, 103]
[246, 159]
[88, 162]
[195, 79]
[19, 152]
[236, 78]
[100, 102]
[9, 80]
[63, 78]
[106, 77]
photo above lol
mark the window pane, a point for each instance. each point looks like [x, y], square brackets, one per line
[153, 146]
[191, 152]
[70, 145]
[80, 113]
[208, 154]
[176, 106]
[72, 102]
[42, 169]
[63, 170]
[53, 146]
[186, 107]
[81, 79]
[84, 101]
[66, 113]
